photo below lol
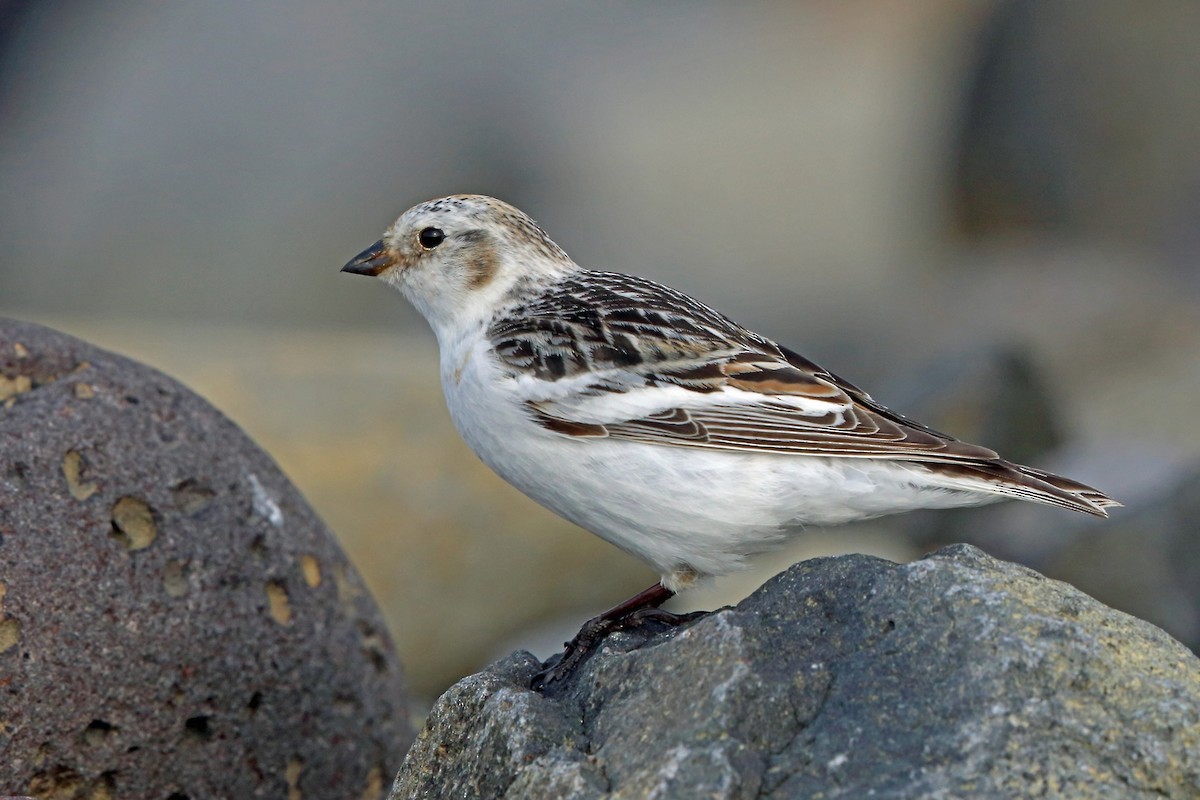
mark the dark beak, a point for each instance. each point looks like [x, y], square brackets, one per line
[372, 261]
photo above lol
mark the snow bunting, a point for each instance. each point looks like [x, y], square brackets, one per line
[652, 420]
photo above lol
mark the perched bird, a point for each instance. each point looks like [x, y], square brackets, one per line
[653, 421]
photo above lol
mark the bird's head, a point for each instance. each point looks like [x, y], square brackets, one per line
[456, 258]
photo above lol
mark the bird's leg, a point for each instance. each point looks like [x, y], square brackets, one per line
[641, 608]
[594, 631]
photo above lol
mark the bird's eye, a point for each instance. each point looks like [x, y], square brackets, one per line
[431, 238]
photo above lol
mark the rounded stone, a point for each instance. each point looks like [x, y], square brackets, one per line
[175, 621]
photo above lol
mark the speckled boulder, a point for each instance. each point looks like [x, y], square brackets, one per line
[175, 621]
[956, 676]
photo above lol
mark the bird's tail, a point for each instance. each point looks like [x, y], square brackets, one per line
[1026, 483]
[1057, 490]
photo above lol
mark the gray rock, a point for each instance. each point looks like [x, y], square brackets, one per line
[954, 676]
[1147, 560]
[174, 619]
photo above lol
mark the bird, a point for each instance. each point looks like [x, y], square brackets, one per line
[654, 421]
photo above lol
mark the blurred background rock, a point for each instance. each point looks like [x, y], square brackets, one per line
[940, 201]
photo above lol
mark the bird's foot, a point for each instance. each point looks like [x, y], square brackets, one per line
[636, 612]
[669, 618]
[575, 653]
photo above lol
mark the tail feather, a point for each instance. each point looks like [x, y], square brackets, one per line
[1026, 483]
[1076, 495]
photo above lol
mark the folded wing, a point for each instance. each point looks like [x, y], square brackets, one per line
[619, 357]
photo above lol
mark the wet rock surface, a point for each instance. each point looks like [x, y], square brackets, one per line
[175, 621]
[954, 676]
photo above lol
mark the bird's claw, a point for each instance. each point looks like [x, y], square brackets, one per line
[593, 632]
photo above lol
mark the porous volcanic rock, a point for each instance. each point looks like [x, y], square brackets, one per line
[175, 621]
[954, 676]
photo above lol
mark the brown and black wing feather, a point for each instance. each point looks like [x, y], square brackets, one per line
[624, 334]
